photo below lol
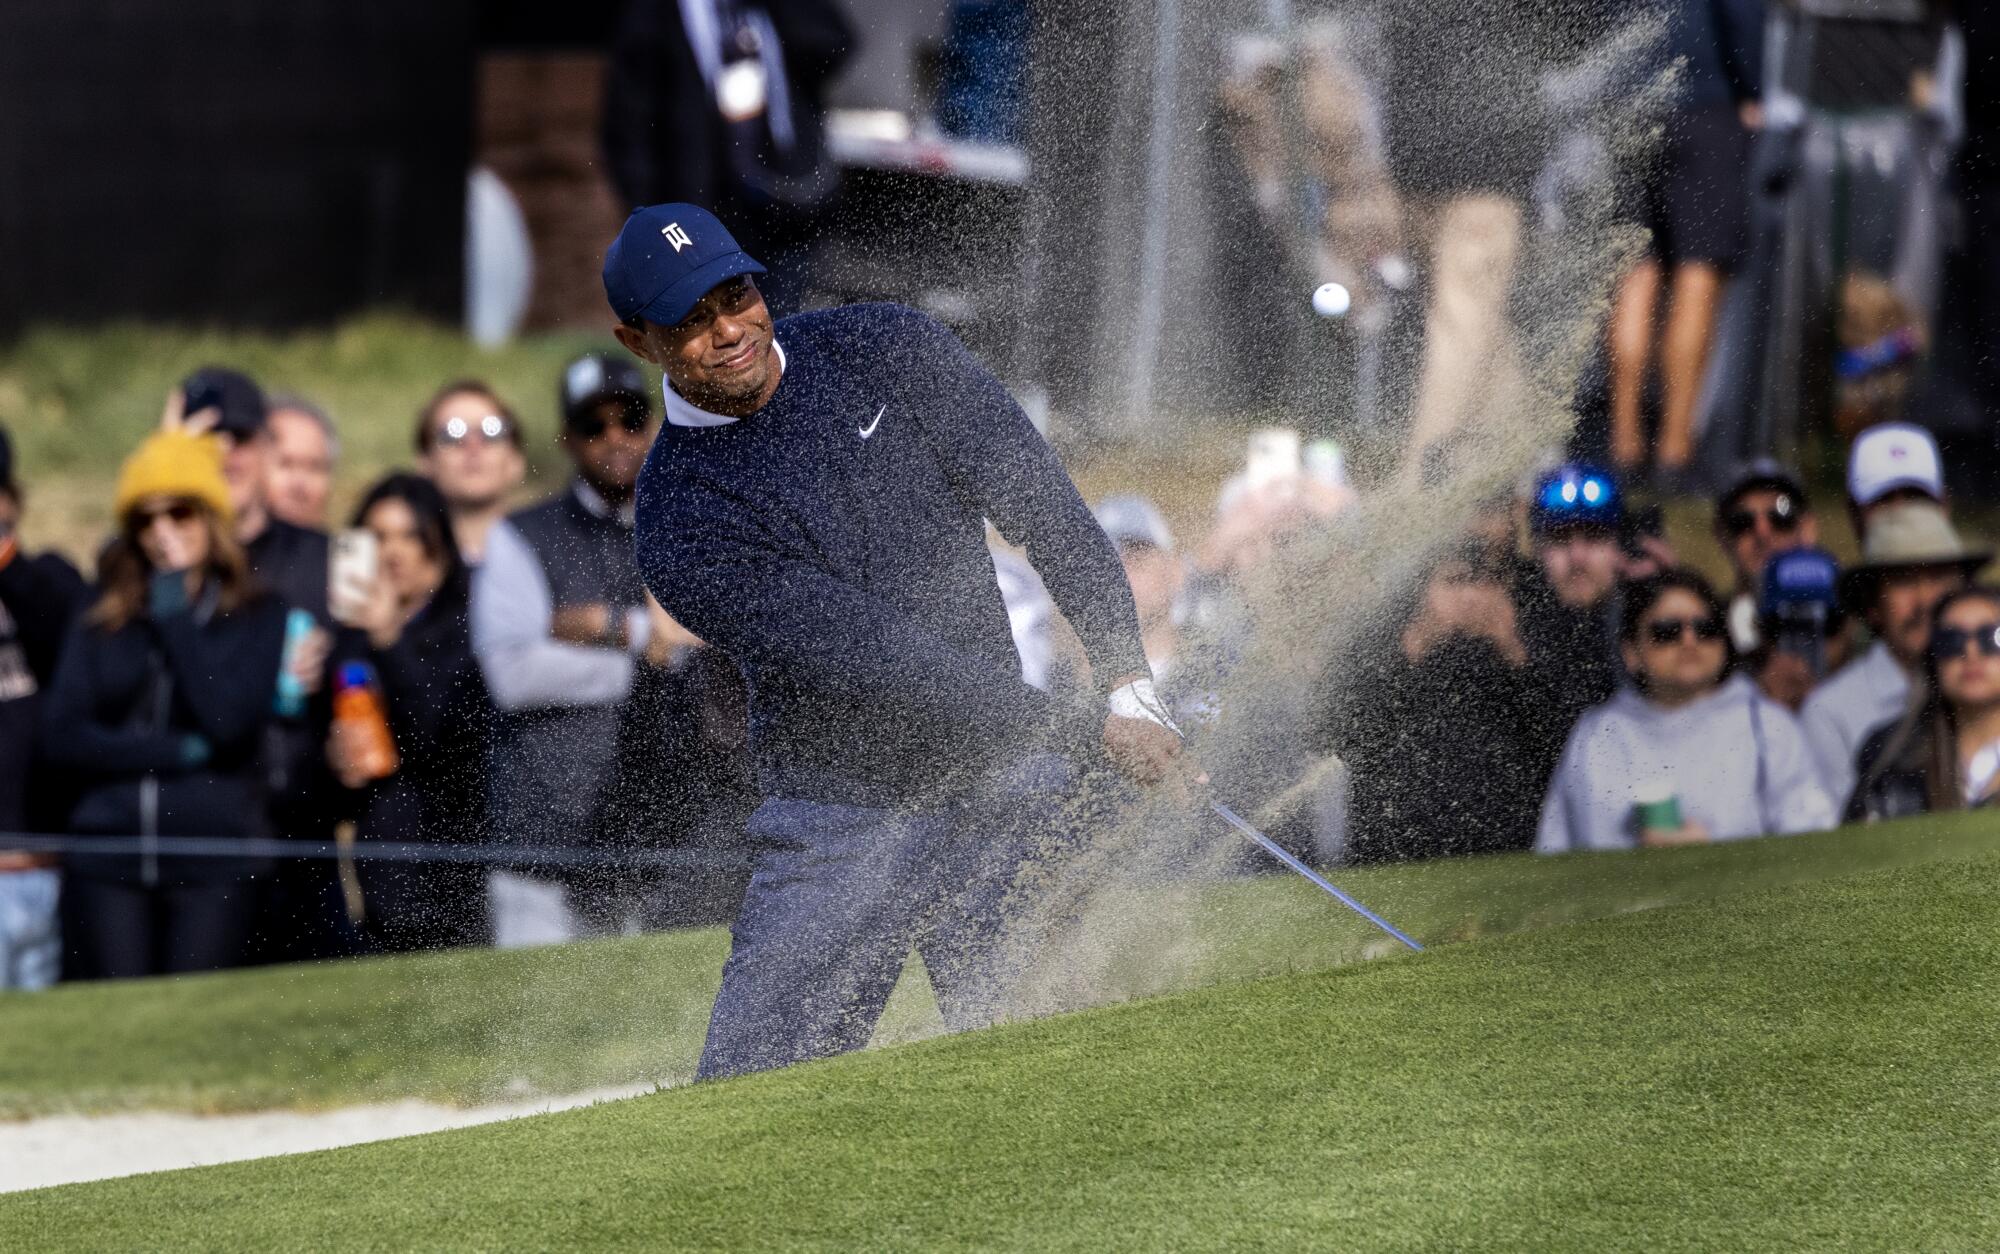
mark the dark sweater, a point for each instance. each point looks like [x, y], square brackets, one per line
[849, 576]
[39, 596]
[291, 562]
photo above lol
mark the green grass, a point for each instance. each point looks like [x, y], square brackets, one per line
[476, 1026]
[1804, 1067]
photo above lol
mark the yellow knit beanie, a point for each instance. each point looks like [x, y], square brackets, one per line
[175, 463]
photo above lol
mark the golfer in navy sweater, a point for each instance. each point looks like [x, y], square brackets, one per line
[816, 508]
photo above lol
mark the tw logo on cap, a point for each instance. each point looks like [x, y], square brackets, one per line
[676, 236]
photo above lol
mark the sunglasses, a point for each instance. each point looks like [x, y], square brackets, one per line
[180, 513]
[592, 426]
[491, 427]
[1665, 631]
[1782, 517]
[1951, 642]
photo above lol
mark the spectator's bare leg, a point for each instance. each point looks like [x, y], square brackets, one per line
[1630, 346]
[1694, 299]
[1466, 337]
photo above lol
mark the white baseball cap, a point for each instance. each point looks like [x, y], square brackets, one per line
[1893, 455]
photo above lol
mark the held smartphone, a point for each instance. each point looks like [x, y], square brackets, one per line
[1648, 523]
[350, 571]
[1274, 456]
[200, 392]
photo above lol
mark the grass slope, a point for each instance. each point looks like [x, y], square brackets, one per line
[475, 1026]
[1800, 1068]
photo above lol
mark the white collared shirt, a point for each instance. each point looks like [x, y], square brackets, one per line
[682, 412]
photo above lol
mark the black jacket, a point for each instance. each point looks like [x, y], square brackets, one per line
[1897, 767]
[291, 563]
[1453, 754]
[441, 718]
[1441, 755]
[123, 711]
[664, 138]
[1573, 662]
[39, 596]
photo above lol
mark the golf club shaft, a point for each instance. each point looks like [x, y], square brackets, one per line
[1272, 847]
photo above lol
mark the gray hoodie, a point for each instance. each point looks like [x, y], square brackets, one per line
[1737, 761]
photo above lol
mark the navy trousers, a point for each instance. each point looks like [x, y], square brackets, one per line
[840, 895]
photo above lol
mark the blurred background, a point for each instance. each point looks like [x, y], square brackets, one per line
[343, 195]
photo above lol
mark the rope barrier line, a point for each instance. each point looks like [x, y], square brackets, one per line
[371, 851]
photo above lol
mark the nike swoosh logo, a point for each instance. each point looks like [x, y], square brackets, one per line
[870, 428]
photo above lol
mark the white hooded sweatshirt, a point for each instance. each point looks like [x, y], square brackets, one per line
[1737, 762]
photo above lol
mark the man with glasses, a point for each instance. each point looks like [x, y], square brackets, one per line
[1912, 558]
[1762, 513]
[559, 622]
[469, 445]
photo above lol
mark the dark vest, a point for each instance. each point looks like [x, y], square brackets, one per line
[587, 559]
[551, 765]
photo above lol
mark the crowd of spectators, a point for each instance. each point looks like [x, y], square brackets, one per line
[439, 671]
[449, 670]
[446, 672]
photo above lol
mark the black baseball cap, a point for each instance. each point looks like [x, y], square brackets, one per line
[595, 378]
[666, 258]
[1764, 472]
[232, 392]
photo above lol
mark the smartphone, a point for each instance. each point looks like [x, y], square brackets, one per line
[350, 571]
[1274, 456]
[1648, 523]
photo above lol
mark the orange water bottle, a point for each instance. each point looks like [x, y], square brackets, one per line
[358, 712]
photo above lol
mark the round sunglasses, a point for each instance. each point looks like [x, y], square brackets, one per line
[1665, 631]
[180, 513]
[590, 426]
[1782, 518]
[1949, 643]
[458, 430]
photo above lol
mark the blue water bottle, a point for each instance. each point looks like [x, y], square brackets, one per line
[290, 701]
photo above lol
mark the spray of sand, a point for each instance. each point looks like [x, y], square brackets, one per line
[1107, 913]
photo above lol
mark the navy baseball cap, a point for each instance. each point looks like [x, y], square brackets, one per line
[666, 258]
[1576, 494]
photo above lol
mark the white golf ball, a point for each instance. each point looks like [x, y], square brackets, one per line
[1331, 300]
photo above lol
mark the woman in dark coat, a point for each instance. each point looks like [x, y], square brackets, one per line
[414, 618]
[1945, 753]
[159, 706]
